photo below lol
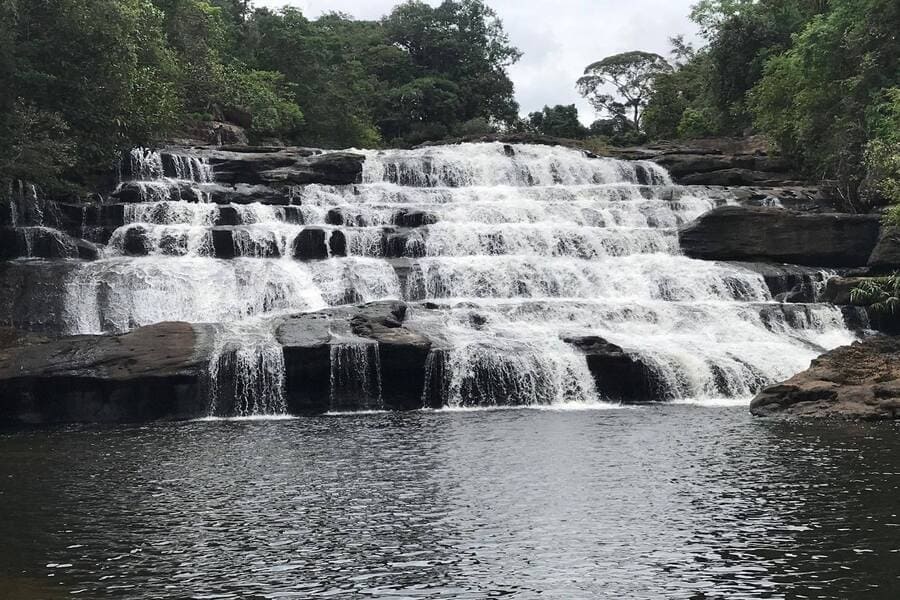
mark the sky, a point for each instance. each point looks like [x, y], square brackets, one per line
[559, 38]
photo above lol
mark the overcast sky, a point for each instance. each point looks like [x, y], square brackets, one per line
[559, 37]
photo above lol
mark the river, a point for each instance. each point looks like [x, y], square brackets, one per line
[658, 502]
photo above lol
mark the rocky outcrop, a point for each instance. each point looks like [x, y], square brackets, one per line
[162, 371]
[619, 375]
[309, 341]
[43, 242]
[777, 235]
[151, 373]
[861, 381]
[282, 166]
[885, 258]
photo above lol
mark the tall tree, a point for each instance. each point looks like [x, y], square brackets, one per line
[630, 74]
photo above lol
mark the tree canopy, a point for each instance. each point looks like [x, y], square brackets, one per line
[89, 77]
[631, 75]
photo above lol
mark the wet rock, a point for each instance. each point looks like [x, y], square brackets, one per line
[43, 242]
[311, 244]
[31, 297]
[619, 375]
[284, 166]
[885, 257]
[789, 283]
[152, 373]
[308, 339]
[776, 235]
[861, 381]
[223, 242]
[414, 218]
[243, 193]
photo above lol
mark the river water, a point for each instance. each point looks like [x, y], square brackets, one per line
[665, 501]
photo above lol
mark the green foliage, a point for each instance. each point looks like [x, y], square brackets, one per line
[814, 98]
[266, 97]
[631, 74]
[96, 73]
[559, 121]
[881, 294]
[85, 78]
[883, 153]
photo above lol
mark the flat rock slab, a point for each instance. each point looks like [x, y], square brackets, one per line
[151, 373]
[861, 381]
[776, 235]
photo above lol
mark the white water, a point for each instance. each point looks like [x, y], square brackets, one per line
[355, 377]
[517, 252]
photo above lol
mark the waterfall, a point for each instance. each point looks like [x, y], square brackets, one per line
[247, 373]
[355, 378]
[504, 254]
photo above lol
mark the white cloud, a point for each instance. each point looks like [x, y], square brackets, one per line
[558, 38]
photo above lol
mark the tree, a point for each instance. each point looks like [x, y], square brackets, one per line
[558, 121]
[461, 41]
[631, 74]
[816, 99]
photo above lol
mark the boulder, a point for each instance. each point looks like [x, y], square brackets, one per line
[619, 375]
[315, 243]
[885, 257]
[152, 373]
[861, 381]
[777, 235]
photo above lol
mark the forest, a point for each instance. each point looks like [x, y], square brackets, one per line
[85, 78]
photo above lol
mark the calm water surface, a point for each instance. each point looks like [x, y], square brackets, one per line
[662, 502]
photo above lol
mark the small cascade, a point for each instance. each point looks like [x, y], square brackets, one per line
[158, 176]
[355, 380]
[247, 374]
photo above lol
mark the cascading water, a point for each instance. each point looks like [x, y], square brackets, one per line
[355, 378]
[505, 255]
[247, 373]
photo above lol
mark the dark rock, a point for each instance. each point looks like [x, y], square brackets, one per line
[284, 166]
[788, 283]
[337, 243]
[43, 242]
[414, 218]
[776, 235]
[239, 116]
[334, 217]
[31, 297]
[152, 373]
[228, 216]
[861, 381]
[308, 339]
[509, 150]
[619, 375]
[248, 194]
[310, 244]
[728, 177]
[885, 257]
[137, 241]
[837, 289]
[223, 242]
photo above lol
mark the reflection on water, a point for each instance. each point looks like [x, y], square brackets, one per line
[662, 502]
